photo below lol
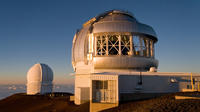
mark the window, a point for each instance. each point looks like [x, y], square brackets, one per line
[143, 46]
[101, 45]
[113, 44]
[151, 48]
[136, 45]
[124, 44]
[104, 91]
[140, 45]
[101, 84]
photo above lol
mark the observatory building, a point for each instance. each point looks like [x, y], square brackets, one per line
[39, 79]
[113, 56]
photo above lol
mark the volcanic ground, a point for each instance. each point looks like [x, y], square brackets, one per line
[60, 103]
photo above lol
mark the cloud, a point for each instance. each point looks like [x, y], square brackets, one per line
[71, 74]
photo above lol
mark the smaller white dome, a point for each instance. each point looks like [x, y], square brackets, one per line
[40, 73]
[39, 79]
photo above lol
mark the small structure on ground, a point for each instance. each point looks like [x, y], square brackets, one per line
[39, 79]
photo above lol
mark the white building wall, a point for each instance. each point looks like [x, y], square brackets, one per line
[127, 83]
[82, 82]
[158, 84]
[155, 82]
[150, 84]
[81, 68]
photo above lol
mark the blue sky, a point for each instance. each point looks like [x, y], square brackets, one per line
[34, 31]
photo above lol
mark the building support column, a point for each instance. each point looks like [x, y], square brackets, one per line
[151, 48]
[141, 46]
[95, 45]
[131, 45]
[147, 46]
[101, 45]
[107, 45]
[120, 49]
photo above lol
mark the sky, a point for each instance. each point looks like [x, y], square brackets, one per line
[33, 31]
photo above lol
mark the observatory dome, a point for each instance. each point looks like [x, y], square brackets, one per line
[114, 40]
[39, 79]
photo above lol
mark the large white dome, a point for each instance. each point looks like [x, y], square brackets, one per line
[39, 79]
[114, 40]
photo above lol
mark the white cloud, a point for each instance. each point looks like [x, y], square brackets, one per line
[71, 74]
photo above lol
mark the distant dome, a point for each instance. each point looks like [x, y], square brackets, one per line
[40, 72]
[39, 79]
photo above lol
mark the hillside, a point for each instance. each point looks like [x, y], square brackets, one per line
[60, 103]
[40, 103]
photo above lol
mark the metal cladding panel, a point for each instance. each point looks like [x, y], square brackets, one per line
[34, 74]
[47, 73]
[125, 81]
[123, 26]
[116, 62]
[117, 17]
[79, 45]
[46, 88]
[104, 77]
[146, 29]
[149, 85]
[33, 88]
